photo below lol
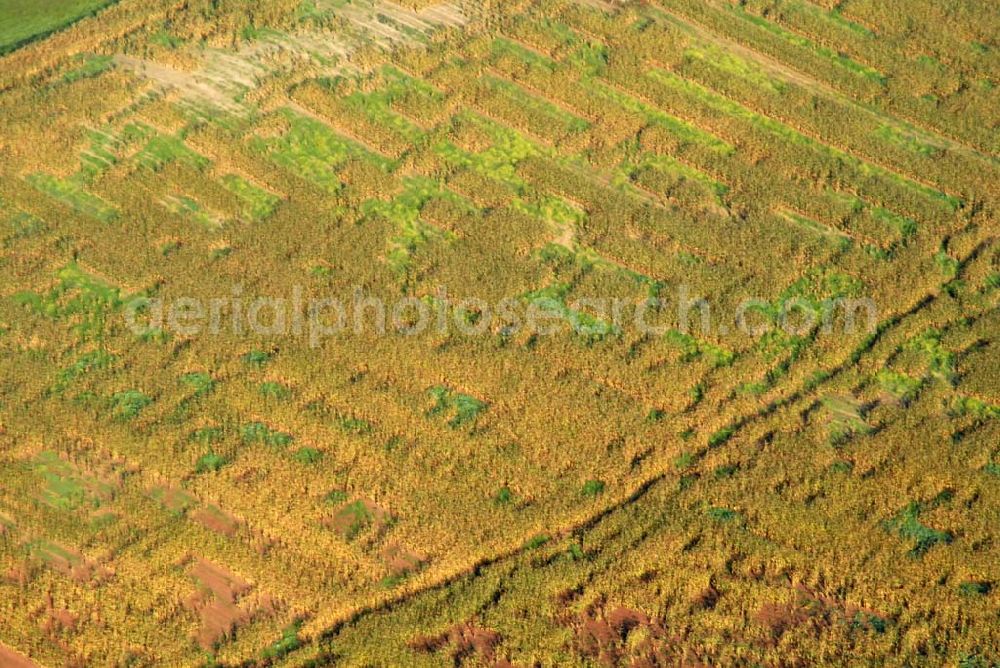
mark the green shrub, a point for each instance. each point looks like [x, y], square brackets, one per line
[257, 432]
[721, 436]
[200, 381]
[684, 460]
[504, 497]
[307, 455]
[723, 514]
[128, 404]
[975, 588]
[335, 497]
[841, 467]
[210, 462]
[655, 415]
[274, 390]
[288, 642]
[256, 358]
[353, 425]
[727, 471]
[536, 542]
[464, 408]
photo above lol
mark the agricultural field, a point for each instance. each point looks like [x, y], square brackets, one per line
[24, 20]
[204, 463]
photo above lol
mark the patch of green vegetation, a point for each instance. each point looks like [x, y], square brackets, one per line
[170, 247]
[551, 300]
[287, 643]
[906, 140]
[842, 467]
[404, 210]
[906, 525]
[655, 415]
[100, 156]
[19, 225]
[258, 432]
[536, 542]
[258, 204]
[901, 387]
[818, 288]
[313, 150]
[846, 419]
[869, 622]
[94, 360]
[508, 148]
[729, 64]
[335, 497]
[941, 363]
[392, 581]
[721, 104]
[91, 67]
[153, 335]
[65, 488]
[463, 408]
[754, 388]
[128, 404]
[320, 271]
[376, 106]
[398, 84]
[721, 436]
[962, 406]
[49, 552]
[186, 207]
[162, 150]
[256, 358]
[946, 263]
[723, 514]
[692, 349]
[684, 460]
[201, 382]
[24, 21]
[835, 15]
[554, 210]
[592, 488]
[355, 517]
[973, 589]
[72, 194]
[207, 435]
[504, 496]
[725, 471]
[307, 455]
[904, 227]
[209, 462]
[557, 32]
[354, 425]
[274, 390]
[163, 37]
[589, 58]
